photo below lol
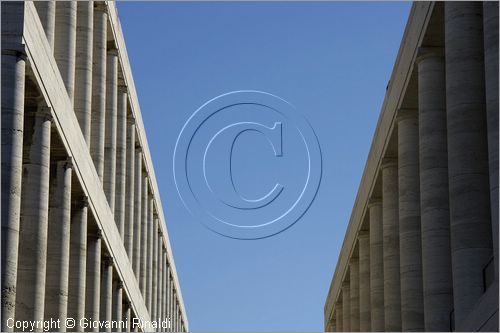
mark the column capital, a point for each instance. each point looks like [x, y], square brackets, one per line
[131, 120]
[388, 162]
[108, 261]
[100, 6]
[374, 201]
[429, 52]
[353, 260]
[44, 112]
[96, 235]
[14, 49]
[346, 284]
[111, 49]
[68, 163]
[123, 88]
[406, 113]
[84, 201]
[363, 234]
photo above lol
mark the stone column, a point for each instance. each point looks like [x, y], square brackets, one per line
[338, 317]
[78, 256]
[169, 299]
[161, 286]
[130, 191]
[471, 240]
[99, 87]
[166, 291]
[364, 281]
[137, 213]
[47, 14]
[126, 315]
[144, 238]
[58, 244]
[106, 307]
[149, 255]
[376, 266]
[65, 43]
[390, 231]
[354, 292]
[93, 289]
[117, 304]
[121, 165]
[490, 27]
[83, 66]
[32, 249]
[12, 119]
[154, 277]
[412, 301]
[434, 208]
[346, 306]
[110, 133]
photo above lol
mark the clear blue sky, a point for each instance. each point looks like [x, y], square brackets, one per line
[332, 61]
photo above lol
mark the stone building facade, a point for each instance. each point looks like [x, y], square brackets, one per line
[83, 230]
[421, 247]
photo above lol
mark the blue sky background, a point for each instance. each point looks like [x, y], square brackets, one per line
[332, 61]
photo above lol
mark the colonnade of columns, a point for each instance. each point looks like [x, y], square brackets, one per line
[55, 263]
[428, 252]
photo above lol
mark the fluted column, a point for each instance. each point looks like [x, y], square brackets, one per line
[106, 307]
[338, 317]
[65, 43]
[47, 13]
[98, 113]
[121, 165]
[12, 120]
[130, 191]
[110, 133]
[58, 245]
[117, 303]
[354, 292]
[346, 306]
[434, 207]
[471, 240]
[490, 27]
[376, 266]
[34, 216]
[144, 238]
[78, 256]
[83, 66]
[93, 289]
[412, 301]
[364, 281]
[137, 212]
[390, 214]
[154, 277]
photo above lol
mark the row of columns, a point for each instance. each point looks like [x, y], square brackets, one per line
[54, 264]
[420, 266]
